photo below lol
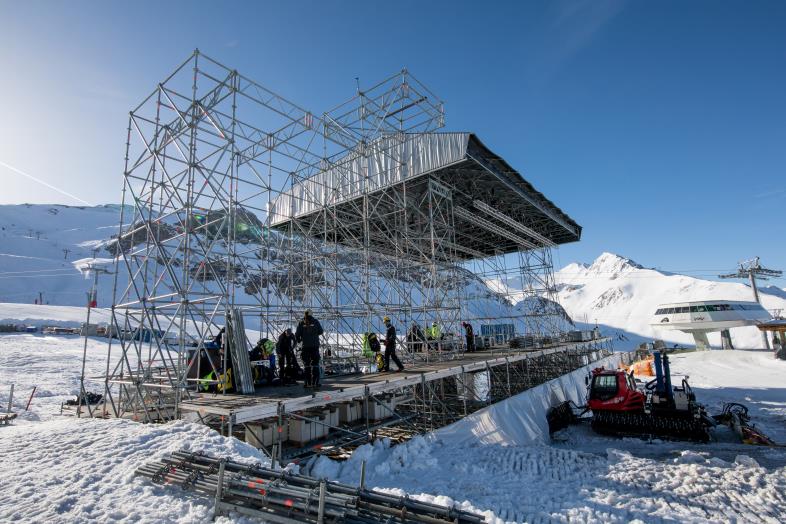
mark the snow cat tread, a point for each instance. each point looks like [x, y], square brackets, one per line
[636, 424]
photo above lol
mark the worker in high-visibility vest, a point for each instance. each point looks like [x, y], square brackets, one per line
[370, 344]
[264, 350]
[224, 384]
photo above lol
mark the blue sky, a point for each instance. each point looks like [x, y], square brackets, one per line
[659, 126]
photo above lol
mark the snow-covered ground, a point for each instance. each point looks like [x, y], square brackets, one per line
[68, 470]
[61, 316]
[585, 477]
[58, 469]
[53, 365]
[753, 378]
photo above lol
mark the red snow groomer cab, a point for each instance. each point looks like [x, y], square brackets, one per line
[620, 407]
[614, 390]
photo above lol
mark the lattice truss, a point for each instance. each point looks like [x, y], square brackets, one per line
[367, 259]
[209, 151]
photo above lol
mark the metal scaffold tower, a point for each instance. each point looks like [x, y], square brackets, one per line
[368, 249]
[243, 208]
[193, 243]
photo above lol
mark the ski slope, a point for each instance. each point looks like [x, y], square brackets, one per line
[39, 245]
[45, 250]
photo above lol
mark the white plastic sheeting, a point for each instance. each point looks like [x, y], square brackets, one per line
[386, 161]
[521, 420]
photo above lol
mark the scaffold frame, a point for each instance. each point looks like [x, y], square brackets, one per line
[384, 223]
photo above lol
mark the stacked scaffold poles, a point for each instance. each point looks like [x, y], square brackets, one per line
[283, 497]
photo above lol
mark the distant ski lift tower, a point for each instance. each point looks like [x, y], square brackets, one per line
[750, 269]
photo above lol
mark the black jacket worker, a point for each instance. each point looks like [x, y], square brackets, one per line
[308, 331]
[285, 349]
[390, 346]
[470, 336]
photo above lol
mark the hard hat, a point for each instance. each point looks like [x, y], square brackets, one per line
[386, 319]
[434, 324]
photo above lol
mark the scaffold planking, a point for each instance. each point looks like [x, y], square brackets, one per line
[243, 408]
[352, 410]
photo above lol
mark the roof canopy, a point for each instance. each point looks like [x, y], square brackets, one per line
[494, 209]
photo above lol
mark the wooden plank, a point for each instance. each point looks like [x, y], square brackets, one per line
[244, 408]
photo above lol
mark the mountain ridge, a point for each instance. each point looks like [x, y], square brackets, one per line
[45, 246]
[618, 292]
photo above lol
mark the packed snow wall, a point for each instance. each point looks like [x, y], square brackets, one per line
[521, 419]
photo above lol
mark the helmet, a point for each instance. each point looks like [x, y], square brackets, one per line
[386, 319]
[434, 324]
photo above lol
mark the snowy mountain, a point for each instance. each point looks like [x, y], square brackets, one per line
[617, 292]
[39, 246]
[44, 249]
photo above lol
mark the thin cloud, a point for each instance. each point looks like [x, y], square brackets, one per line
[576, 24]
[108, 93]
[772, 193]
[47, 184]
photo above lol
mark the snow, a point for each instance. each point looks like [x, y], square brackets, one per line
[59, 469]
[68, 470]
[61, 316]
[62, 469]
[498, 461]
[521, 420]
[53, 364]
[548, 484]
[39, 244]
[589, 478]
[753, 378]
[46, 250]
[614, 291]
[617, 292]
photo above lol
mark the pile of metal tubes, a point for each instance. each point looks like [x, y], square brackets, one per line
[282, 497]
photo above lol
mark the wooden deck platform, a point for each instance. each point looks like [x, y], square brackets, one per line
[268, 400]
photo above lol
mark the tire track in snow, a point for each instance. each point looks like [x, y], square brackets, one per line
[547, 484]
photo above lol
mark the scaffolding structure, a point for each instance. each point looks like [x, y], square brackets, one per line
[237, 201]
[357, 410]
